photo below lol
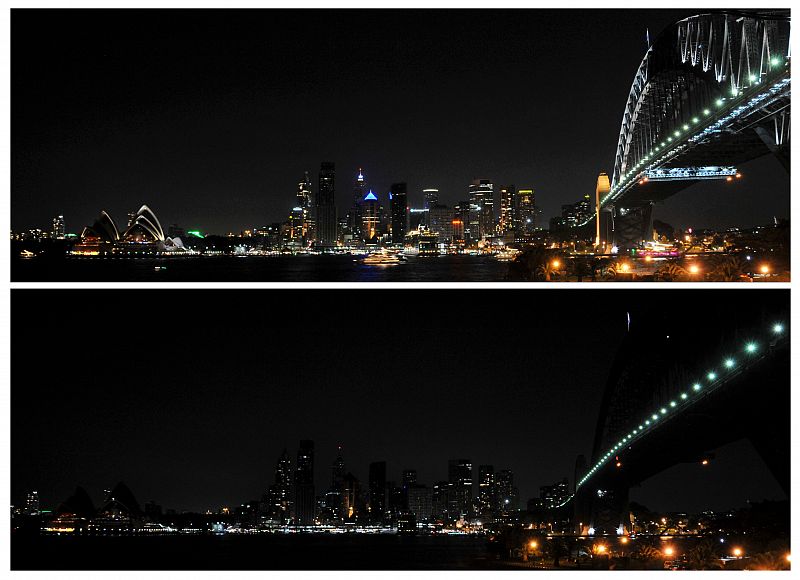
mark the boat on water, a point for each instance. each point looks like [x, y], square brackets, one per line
[506, 255]
[383, 259]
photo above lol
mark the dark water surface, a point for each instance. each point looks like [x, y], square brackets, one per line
[303, 268]
[261, 552]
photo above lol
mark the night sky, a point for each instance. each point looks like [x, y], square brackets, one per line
[211, 117]
[190, 396]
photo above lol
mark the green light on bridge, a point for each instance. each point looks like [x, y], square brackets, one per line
[712, 376]
[729, 363]
[684, 396]
[775, 61]
[777, 329]
[751, 347]
[696, 386]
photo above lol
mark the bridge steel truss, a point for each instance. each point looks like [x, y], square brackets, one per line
[705, 79]
[652, 384]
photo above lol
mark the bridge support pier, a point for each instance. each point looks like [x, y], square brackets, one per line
[632, 226]
[603, 510]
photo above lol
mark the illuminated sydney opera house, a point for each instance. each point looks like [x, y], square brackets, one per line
[142, 236]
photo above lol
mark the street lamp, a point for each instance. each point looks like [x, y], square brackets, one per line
[737, 552]
[668, 551]
[556, 264]
[764, 269]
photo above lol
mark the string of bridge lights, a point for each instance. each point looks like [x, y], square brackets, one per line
[652, 420]
[661, 148]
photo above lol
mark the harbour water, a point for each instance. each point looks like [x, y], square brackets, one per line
[300, 268]
[259, 552]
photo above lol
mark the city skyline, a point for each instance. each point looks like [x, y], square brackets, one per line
[210, 412]
[231, 176]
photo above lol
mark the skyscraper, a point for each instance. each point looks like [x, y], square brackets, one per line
[377, 491]
[506, 224]
[399, 210]
[507, 495]
[526, 212]
[280, 492]
[354, 216]
[487, 490]
[370, 218]
[303, 201]
[430, 198]
[32, 503]
[58, 232]
[326, 223]
[481, 195]
[440, 221]
[459, 475]
[304, 496]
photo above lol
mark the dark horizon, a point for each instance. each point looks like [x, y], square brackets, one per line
[211, 117]
[189, 398]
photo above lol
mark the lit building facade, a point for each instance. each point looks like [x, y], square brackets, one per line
[505, 223]
[526, 214]
[304, 202]
[481, 195]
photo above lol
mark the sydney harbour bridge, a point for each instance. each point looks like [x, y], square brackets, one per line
[712, 92]
[688, 379]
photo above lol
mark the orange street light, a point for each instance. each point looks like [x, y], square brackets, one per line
[600, 549]
[533, 545]
[694, 269]
[729, 178]
[624, 540]
[556, 263]
[764, 269]
[737, 552]
[669, 551]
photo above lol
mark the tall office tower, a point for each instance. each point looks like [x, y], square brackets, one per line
[377, 491]
[354, 216]
[481, 194]
[430, 197]
[399, 205]
[526, 212]
[32, 503]
[461, 227]
[280, 492]
[409, 477]
[58, 232]
[487, 491]
[439, 496]
[304, 202]
[351, 497]
[294, 229]
[419, 501]
[506, 492]
[441, 221]
[304, 496]
[326, 222]
[459, 474]
[506, 224]
[370, 218]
